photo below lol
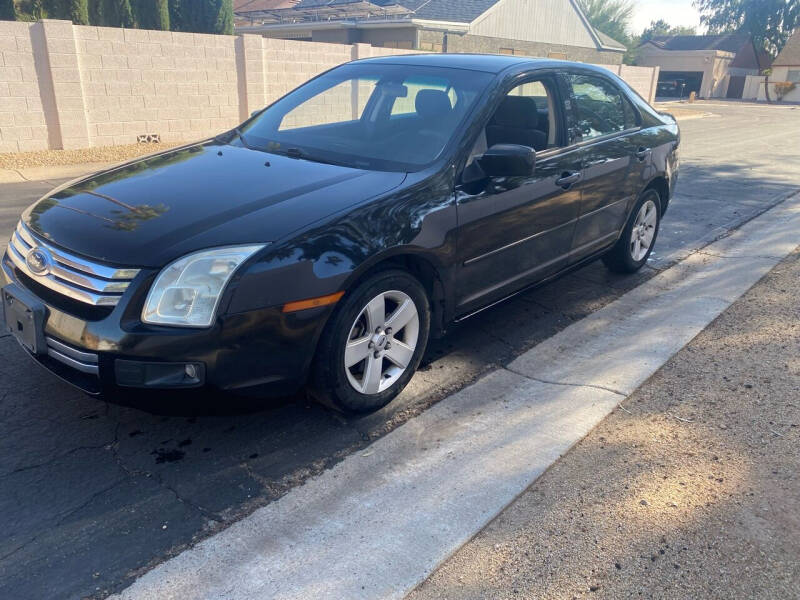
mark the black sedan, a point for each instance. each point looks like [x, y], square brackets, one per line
[324, 240]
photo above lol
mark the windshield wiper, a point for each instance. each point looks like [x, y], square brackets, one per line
[228, 136]
[301, 154]
[240, 135]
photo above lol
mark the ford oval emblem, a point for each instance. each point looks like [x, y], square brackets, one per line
[38, 261]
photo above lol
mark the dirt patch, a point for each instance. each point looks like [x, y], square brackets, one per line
[53, 158]
[690, 490]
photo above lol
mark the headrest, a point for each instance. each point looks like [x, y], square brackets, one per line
[432, 103]
[517, 111]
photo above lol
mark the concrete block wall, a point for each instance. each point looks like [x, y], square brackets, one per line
[180, 86]
[642, 79]
[71, 86]
[22, 118]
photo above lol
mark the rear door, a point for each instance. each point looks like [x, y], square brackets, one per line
[612, 159]
[516, 230]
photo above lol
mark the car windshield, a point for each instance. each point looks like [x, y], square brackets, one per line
[369, 116]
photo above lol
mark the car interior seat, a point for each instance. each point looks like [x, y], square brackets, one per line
[517, 121]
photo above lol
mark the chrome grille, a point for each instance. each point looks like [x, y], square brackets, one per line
[67, 274]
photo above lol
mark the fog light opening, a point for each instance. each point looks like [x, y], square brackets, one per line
[131, 373]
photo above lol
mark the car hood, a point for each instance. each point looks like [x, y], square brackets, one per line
[150, 211]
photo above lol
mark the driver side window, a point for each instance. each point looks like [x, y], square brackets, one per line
[526, 116]
[599, 104]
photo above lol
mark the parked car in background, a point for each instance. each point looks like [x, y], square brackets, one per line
[323, 241]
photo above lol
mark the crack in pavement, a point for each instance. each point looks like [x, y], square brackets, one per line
[566, 383]
[52, 460]
[133, 473]
[728, 256]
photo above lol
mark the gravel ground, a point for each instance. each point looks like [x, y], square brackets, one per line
[51, 158]
[690, 490]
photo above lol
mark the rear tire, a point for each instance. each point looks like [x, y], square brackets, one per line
[373, 343]
[634, 246]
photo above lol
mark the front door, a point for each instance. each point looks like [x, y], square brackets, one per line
[516, 230]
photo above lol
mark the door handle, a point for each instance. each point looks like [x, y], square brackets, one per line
[567, 179]
[642, 153]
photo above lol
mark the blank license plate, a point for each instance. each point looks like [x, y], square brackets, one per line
[23, 316]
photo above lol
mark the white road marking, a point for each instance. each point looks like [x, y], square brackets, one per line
[379, 522]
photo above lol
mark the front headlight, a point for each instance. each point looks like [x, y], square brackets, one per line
[187, 291]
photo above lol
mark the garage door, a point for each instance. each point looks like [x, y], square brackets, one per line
[679, 84]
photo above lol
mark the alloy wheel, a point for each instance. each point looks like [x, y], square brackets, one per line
[381, 342]
[644, 230]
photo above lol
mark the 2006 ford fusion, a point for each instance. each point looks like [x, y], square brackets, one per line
[323, 241]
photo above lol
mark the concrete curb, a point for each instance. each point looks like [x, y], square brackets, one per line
[379, 522]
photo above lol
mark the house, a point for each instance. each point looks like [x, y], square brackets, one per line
[712, 66]
[544, 28]
[786, 70]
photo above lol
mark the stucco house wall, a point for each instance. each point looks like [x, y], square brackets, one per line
[714, 64]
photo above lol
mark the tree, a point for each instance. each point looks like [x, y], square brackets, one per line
[768, 22]
[152, 14]
[112, 13]
[8, 10]
[203, 16]
[176, 15]
[37, 10]
[79, 12]
[222, 17]
[662, 28]
[612, 17]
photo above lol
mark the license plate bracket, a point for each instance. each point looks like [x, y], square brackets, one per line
[24, 317]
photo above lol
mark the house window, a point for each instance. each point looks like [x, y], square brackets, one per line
[793, 76]
[507, 51]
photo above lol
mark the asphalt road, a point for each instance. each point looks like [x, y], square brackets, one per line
[93, 493]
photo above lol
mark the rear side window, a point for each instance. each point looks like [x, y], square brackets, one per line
[600, 106]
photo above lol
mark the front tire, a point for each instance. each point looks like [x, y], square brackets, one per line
[634, 246]
[373, 343]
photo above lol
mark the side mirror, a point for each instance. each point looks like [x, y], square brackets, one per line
[508, 160]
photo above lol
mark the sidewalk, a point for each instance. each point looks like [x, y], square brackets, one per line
[690, 489]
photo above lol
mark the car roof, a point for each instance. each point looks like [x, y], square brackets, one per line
[489, 63]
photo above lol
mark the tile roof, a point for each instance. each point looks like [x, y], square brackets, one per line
[727, 42]
[253, 5]
[462, 11]
[457, 11]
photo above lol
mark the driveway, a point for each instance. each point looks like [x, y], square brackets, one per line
[94, 493]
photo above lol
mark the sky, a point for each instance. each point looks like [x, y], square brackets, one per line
[674, 12]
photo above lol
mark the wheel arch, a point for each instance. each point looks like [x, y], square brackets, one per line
[661, 186]
[426, 270]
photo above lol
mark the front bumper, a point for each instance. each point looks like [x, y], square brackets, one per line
[263, 352]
